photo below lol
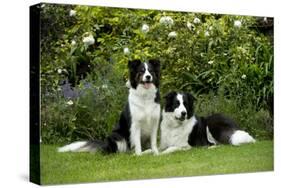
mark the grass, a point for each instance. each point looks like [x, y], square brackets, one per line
[58, 168]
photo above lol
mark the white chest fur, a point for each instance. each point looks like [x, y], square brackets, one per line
[175, 133]
[145, 116]
[144, 111]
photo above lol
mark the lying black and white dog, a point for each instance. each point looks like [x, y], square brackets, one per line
[138, 124]
[181, 129]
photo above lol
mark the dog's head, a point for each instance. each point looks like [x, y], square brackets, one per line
[145, 74]
[180, 105]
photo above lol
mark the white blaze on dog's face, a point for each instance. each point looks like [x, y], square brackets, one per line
[146, 76]
[180, 110]
[180, 105]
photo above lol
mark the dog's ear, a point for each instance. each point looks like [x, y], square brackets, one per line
[190, 97]
[190, 106]
[168, 106]
[155, 63]
[170, 95]
[134, 64]
[156, 67]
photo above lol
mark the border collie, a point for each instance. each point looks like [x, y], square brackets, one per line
[181, 129]
[138, 124]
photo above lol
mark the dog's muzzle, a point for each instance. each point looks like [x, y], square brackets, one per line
[182, 117]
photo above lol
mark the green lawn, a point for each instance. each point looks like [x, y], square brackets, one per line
[57, 168]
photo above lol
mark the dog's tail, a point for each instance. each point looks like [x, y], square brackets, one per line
[83, 146]
[241, 137]
[112, 144]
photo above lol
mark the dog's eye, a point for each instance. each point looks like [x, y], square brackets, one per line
[185, 103]
[177, 103]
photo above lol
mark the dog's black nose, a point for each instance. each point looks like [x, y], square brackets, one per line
[148, 77]
[183, 113]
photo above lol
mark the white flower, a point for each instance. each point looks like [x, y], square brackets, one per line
[72, 13]
[104, 86]
[189, 25]
[59, 71]
[207, 34]
[145, 28]
[73, 42]
[126, 50]
[172, 34]
[210, 62]
[70, 102]
[243, 76]
[43, 5]
[265, 19]
[210, 28]
[237, 23]
[89, 40]
[196, 20]
[166, 20]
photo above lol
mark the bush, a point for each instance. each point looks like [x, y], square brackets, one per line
[89, 47]
[89, 116]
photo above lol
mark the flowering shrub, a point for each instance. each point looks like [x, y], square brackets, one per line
[201, 53]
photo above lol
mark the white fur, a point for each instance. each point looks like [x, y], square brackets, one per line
[210, 137]
[241, 137]
[174, 148]
[181, 108]
[122, 145]
[75, 146]
[146, 73]
[175, 133]
[145, 114]
[128, 84]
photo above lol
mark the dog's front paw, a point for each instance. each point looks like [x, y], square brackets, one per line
[155, 151]
[148, 151]
[138, 153]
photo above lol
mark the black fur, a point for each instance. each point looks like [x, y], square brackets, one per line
[154, 66]
[157, 97]
[133, 70]
[221, 127]
[121, 131]
[198, 136]
[171, 103]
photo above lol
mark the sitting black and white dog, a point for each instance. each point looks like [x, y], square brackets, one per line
[181, 129]
[138, 124]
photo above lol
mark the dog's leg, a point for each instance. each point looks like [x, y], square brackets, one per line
[136, 138]
[153, 139]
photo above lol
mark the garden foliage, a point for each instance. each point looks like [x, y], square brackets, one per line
[222, 59]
